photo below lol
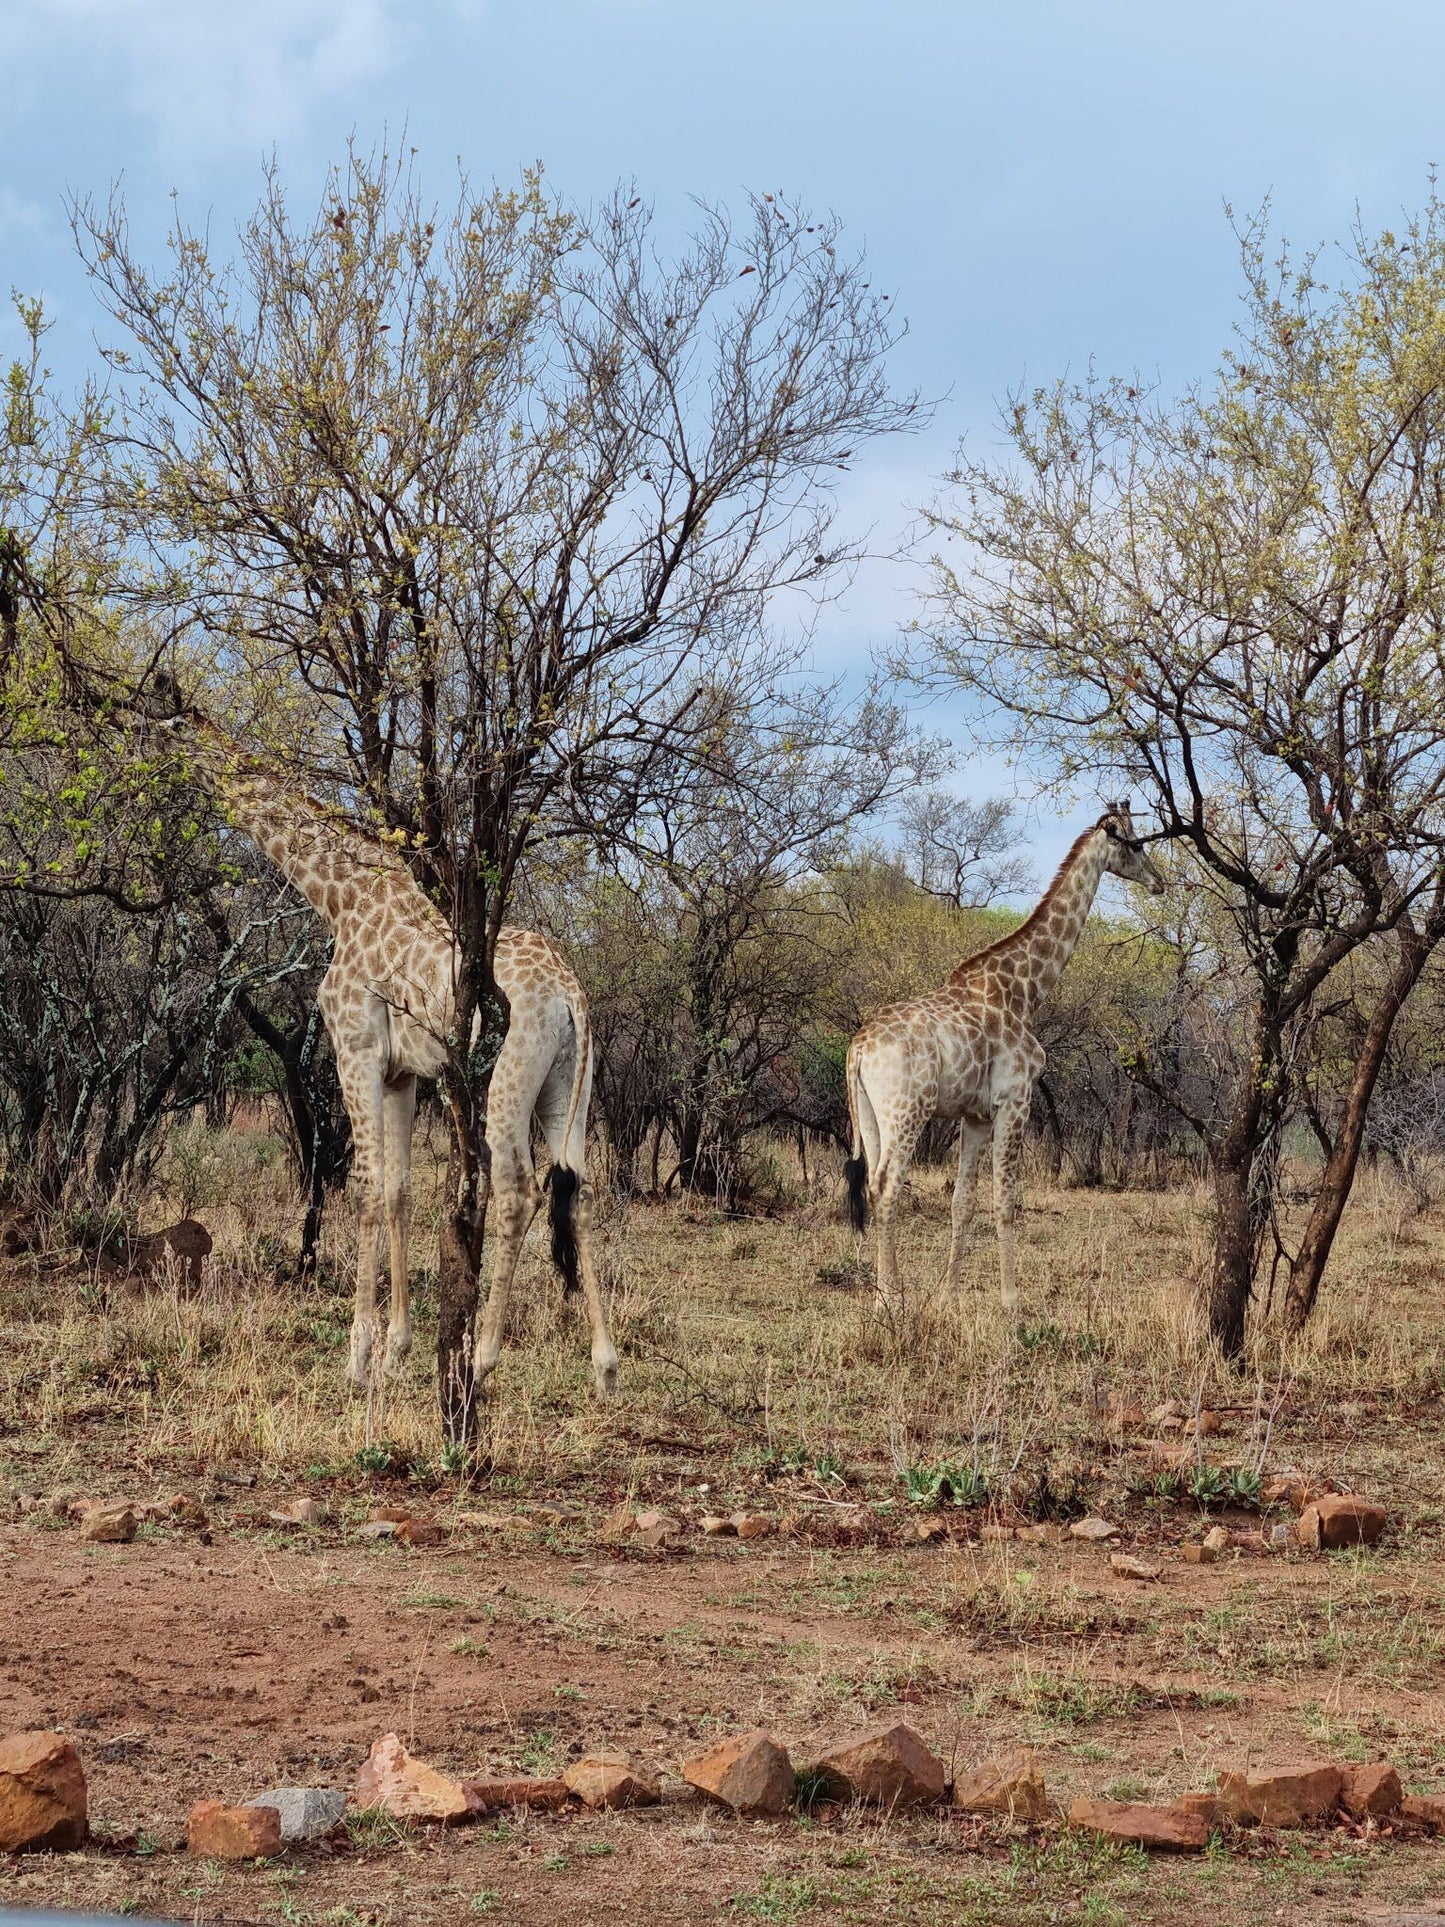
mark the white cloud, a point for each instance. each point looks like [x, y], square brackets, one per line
[210, 78]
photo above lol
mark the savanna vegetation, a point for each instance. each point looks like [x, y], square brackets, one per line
[505, 532]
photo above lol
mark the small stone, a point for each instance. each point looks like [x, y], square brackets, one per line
[1200, 1555]
[1217, 1539]
[1171, 1424]
[484, 1521]
[611, 1780]
[218, 1832]
[42, 1794]
[620, 1523]
[996, 1534]
[889, 1768]
[378, 1529]
[1130, 1568]
[1173, 1829]
[1341, 1519]
[1171, 1408]
[1127, 1414]
[1425, 1809]
[1093, 1528]
[108, 1525]
[655, 1529]
[406, 1788]
[1012, 1784]
[927, 1530]
[1371, 1792]
[419, 1532]
[714, 1525]
[751, 1525]
[304, 1812]
[496, 1796]
[300, 1512]
[1282, 1796]
[750, 1775]
[186, 1510]
[1045, 1532]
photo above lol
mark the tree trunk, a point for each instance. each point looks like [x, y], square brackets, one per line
[1232, 1279]
[459, 1275]
[1339, 1173]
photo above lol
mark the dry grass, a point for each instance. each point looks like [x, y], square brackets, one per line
[760, 1334]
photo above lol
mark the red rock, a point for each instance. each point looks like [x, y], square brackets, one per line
[418, 1532]
[1011, 1783]
[1371, 1792]
[1425, 1809]
[611, 1780]
[406, 1788]
[751, 1525]
[890, 1768]
[491, 1796]
[751, 1774]
[1341, 1519]
[1131, 1568]
[1200, 1555]
[714, 1525]
[655, 1529]
[185, 1510]
[1174, 1829]
[108, 1525]
[927, 1530]
[1209, 1807]
[219, 1832]
[1093, 1528]
[42, 1794]
[1282, 1796]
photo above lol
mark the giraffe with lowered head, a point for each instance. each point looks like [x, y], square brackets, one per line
[969, 1052]
[388, 1001]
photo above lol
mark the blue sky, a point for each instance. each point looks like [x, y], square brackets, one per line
[1040, 183]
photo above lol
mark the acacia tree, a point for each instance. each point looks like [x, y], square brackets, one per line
[471, 499]
[1234, 600]
[961, 850]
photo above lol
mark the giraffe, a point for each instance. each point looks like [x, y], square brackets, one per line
[388, 1001]
[969, 1052]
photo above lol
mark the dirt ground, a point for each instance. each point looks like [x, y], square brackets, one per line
[183, 1670]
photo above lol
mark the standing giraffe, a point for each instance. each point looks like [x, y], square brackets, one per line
[388, 1001]
[969, 1052]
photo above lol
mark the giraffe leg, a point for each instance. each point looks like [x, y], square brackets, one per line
[552, 1105]
[359, 1073]
[896, 1147]
[973, 1137]
[399, 1107]
[1008, 1143]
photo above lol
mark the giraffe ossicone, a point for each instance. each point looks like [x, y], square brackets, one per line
[968, 1051]
[388, 1000]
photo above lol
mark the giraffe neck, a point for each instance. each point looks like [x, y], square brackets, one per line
[327, 862]
[1046, 939]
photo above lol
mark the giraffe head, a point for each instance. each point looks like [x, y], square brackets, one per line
[1124, 854]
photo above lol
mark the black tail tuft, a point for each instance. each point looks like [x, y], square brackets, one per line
[856, 1172]
[562, 1183]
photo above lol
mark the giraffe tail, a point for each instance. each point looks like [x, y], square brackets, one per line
[855, 1169]
[563, 1182]
[562, 1185]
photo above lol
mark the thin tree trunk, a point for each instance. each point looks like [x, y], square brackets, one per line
[1232, 1279]
[1339, 1173]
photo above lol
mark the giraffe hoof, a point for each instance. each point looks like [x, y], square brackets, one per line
[398, 1344]
[604, 1374]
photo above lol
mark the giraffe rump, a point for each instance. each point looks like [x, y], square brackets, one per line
[855, 1171]
[562, 1184]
